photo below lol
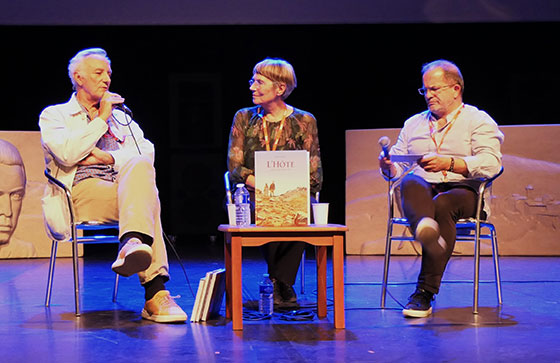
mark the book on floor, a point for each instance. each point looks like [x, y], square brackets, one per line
[209, 296]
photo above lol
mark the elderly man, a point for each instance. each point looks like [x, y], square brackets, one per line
[94, 147]
[459, 143]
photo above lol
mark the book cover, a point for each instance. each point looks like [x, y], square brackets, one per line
[217, 297]
[198, 299]
[282, 188]
[205, 298]
[211, 277]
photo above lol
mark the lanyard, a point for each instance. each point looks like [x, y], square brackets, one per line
[433, 131]
[278, 132]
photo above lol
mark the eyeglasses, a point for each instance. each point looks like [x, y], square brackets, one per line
[259, 82]
[425, 90]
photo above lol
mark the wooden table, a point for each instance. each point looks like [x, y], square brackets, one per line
[320, 236]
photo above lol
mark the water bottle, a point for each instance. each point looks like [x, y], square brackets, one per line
[266, 296]
[242, 205]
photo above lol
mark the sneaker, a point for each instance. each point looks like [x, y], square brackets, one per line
[419, 304]
[427, 233]
[134, 256]
[163, 309]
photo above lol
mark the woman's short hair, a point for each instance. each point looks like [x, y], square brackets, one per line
[279, 71]
[450, 71]
[79, 57]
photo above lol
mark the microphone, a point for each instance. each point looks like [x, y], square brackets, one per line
[384, 142]
[124, 108]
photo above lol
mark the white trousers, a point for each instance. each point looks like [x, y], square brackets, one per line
[133, 201]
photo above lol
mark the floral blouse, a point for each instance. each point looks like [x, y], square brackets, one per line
[247, 136]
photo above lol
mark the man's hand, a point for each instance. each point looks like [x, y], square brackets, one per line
[97, 157]
[106, 104]
[387, 167]
[434, 162]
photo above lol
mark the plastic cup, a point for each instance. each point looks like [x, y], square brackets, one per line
[231, 214]
[320, 213]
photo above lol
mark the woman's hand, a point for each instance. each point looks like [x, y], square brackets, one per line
[250, 182]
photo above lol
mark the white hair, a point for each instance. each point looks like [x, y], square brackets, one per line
[79, 57]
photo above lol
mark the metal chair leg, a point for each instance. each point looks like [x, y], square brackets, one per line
[76, 277]
[116, 288]
[302, 273]
[52, 262]
[496, 257]
[386, 263]
[476, 267]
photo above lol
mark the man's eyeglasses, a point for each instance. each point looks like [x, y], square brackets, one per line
[425, 90]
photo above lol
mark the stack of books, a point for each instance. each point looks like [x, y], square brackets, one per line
[210, 296]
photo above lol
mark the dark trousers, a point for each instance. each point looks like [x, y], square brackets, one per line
[446, 203]
[283, 259]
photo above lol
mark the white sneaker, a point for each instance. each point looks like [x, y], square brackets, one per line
[133, 257]
[163, 309]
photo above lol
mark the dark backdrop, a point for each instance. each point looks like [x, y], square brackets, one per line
[184, 83]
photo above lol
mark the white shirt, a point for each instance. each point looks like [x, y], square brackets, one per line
[474, 137]
[68, 137]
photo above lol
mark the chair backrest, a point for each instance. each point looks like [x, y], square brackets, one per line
[484, 185]
[228, 187]
[74, 224]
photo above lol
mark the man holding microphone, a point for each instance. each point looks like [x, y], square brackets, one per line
[93, 146]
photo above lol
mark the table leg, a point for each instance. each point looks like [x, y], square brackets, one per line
[321, 252]
[227, 262]
[236, 286]
[338, 282]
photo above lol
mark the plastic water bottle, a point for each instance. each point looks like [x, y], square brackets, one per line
[242, 205]
[266, 296]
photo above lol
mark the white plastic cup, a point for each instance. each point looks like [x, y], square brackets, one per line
[320, 213]
[231, 214]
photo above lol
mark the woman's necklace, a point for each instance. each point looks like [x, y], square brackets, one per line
[278, 131]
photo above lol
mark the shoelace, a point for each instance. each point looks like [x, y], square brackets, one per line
[166, 300]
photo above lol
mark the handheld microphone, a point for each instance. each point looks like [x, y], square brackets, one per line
[384, 142]
[124, 108]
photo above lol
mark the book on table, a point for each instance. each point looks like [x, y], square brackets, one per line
[282, 188]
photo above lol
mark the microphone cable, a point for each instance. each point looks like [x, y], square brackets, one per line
[170, 243]
[128, 120]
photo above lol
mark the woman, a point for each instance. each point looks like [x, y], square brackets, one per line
[274, 125]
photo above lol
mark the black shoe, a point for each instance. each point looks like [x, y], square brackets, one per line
[277, 293]
[419, 304]
[284, 295]
[288, 293]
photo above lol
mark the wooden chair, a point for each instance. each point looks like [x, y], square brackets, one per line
[91, 228]
[470, 230]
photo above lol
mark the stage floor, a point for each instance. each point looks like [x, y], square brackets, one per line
[526, 328]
